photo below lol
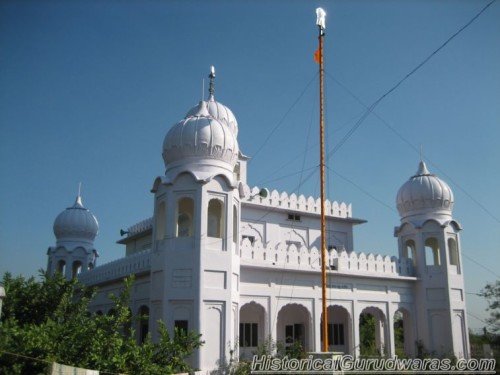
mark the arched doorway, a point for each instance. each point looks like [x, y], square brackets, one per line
[339, 329]
[294, 326]
[252, 330]
[372, 332]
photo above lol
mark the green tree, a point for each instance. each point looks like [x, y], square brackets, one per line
[492, 294]
[367, 335]
[49, 320]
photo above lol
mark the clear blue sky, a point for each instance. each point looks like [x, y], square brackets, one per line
[88, 90]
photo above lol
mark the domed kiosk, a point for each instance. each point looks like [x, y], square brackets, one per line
[204, 143]
[429, 242]
[424, 194]
[75, 229]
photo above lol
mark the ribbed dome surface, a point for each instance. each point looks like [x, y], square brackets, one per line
[76, 223]
[219, 112]
[200, 136]
[424, 193]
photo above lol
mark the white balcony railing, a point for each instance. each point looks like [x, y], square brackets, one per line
[117, 269]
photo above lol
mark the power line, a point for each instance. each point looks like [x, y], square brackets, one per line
[408, 75]
[415, 148]
[481, 320]
[480, 265]
[362, 190]
[283, 118]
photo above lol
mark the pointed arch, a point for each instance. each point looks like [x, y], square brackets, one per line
[215, 218]
[61, 266]
[76, 269]
[185, 215]
[453, 254]
[432, 252]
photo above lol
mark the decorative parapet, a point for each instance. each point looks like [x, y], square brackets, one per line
[140, 227]
[299, 203]
[303, 258]
[117, 269]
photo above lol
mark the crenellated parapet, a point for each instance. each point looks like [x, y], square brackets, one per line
[294, 202]
[117, 269]
[307, 259]
[140, 227]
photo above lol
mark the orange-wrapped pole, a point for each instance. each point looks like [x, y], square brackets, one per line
[320, 23]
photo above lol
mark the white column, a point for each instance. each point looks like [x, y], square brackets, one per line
[355, 330]
[273, 320]
[317, 324]
[391, 340]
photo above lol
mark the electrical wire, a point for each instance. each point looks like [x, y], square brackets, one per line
[408, 75]
[416, 149]
[280, 122]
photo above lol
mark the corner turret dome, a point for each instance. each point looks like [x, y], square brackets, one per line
[76, 224]
[201, 145]
[424, 194]
[200, 136]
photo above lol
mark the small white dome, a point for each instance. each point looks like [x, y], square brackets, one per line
[200, 136]
[424, 193]
[76, 223]
[219, 112]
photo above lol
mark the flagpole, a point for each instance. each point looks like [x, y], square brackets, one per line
[321, 27]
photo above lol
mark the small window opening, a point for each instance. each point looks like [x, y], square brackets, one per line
[215, 222]
[61, 267]
[453, 253]
[432, 256]
[409, 251]
[185, 211]
[294, 217]
[77, 268]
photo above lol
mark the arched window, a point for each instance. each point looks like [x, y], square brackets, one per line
[432, 256]
[409, 251]
[453, 253]
[161, 220]
[77, 268]
[143, 323]
[61, 267]
[235, 224]
[185, 213]
[236, 172]
[215, 219]
[90, 266]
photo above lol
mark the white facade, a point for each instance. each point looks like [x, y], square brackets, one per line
[240, 265]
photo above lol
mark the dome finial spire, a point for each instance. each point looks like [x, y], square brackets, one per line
[78, 201]
[211, 87]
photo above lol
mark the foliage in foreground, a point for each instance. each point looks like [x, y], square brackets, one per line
[49, 320]
[492, 294]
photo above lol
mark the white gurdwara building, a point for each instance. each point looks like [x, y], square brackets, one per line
[241, 265]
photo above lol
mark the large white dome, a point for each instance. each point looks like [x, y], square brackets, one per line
[76, 223]
[424, 193]
[200, 136]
